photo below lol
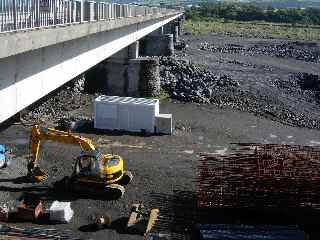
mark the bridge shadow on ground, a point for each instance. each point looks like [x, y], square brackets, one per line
[87, 127]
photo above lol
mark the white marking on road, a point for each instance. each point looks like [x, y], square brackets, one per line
[289, 137]
[273, 136]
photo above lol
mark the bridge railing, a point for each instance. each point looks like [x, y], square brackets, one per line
[27, 14]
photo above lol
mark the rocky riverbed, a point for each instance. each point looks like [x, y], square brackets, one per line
[235, 76]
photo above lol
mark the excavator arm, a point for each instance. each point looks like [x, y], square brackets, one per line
[38, 134]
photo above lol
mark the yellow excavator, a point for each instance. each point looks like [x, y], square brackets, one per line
[92, 171]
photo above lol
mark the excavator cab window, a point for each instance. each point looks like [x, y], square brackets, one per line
[86, 161]
[85, 165]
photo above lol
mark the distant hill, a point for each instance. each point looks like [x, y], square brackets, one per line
[260, 3]
[278, 3]
[287, 3]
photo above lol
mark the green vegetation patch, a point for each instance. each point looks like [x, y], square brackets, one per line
[253, 29]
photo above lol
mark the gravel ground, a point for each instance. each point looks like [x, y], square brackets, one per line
[277, 79]
[164, 167]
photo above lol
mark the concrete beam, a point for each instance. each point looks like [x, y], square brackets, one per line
[14, 43]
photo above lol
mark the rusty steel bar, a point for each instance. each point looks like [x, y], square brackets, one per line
[257, 175]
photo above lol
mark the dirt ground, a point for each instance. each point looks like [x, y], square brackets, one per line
[161, 165]
[164, 167]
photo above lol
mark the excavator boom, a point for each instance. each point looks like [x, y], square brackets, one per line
[38, 134]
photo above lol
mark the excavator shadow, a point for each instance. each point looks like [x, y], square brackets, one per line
[55, 191]
[18, 180]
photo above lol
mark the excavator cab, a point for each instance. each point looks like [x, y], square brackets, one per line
[85, 164]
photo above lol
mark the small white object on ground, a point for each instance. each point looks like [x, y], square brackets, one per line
[61, 212]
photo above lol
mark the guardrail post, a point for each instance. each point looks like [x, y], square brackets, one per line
[37, 13]
[81, 10]
[14, 13]
[54, 12]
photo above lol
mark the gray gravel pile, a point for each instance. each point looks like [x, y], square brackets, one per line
[305, 86]
[191, 83]
[284, 50]
[286, 102]
[58, 104]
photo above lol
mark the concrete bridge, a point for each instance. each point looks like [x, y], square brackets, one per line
[46, 43]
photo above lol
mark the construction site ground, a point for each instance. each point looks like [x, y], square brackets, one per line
[162, 166]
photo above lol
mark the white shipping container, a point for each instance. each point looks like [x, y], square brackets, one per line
[125, 113]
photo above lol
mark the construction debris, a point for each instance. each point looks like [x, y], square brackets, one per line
[141, 221]
[102, 221]
[61, 212]
[29, 210]
[258, 176]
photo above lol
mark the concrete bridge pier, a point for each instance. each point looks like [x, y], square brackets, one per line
[174, 28]
[125, 74]
[157, 45]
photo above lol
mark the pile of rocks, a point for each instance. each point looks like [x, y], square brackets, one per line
[58, 104]
[190, 83]
[284, 50]
[228, 48]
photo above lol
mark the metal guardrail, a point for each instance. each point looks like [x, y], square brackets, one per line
[28, 14]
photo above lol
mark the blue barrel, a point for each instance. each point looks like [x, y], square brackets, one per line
[2, 156]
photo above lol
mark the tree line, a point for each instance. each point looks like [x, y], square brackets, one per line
[250, 12]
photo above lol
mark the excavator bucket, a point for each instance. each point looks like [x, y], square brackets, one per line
[142, 221]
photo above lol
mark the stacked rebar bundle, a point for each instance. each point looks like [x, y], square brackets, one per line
[260, 176]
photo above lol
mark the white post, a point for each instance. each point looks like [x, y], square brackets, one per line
[82, 11]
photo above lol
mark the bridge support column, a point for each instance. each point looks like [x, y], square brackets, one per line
[125, 74]
[143, 77]
[159, 45]
[174, 28]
